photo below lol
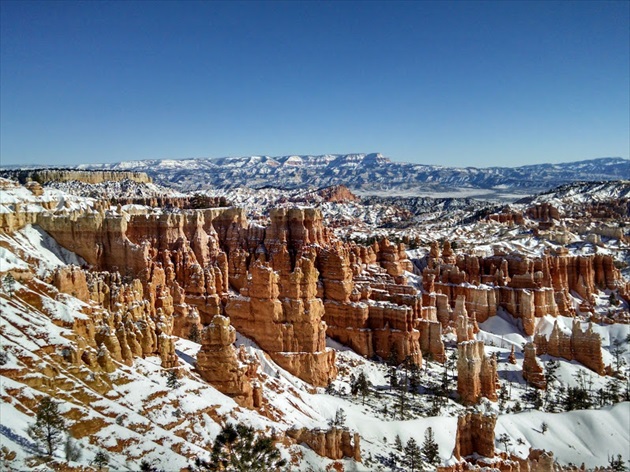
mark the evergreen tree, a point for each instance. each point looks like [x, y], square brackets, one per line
[100, 461]
[505, 440]
[361, 386]
[401, 400]
[72, 450]
[503, 397]
[577, 398]
[616, 464]
[239, 449]
[618, 350]
[393, 378]
[172, 381]
[340, 419]
[392, 360]
[414, 378]
[398, 444]
[430, 450]
[194, 334]
[412, 459]
[146, 466]
[49, 426]
[551, 367]
[8, 282]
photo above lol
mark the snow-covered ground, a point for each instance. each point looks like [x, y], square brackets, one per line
[140, 417]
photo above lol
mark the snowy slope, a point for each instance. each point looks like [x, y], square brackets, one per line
[371, 173]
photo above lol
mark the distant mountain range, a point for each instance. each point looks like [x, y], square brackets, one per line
[370, 174]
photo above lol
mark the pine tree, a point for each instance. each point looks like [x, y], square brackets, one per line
[413, 457]
[49, 426]
[239, 448]
[401, 400]
[550, 371]
[393, 378]
[340, 419]
[505, 440]
[618, 350]
[8, 282]
[72, 450]
[617, 464]
[430, 450]
[100, 461]
[414, 378]
[172, 381]
[360, 385]
[398, 443]
[193, 334]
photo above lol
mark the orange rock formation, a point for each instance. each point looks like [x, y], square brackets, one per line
[582, 346]
[476, 373]
[335, 443]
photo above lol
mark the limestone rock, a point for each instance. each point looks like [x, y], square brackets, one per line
[334, 443]
[475, 435]
[582, 346]
[532, 370]
[218, 364]
[476, 373]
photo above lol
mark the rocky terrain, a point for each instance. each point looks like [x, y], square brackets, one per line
[370, 174]
[155, 318]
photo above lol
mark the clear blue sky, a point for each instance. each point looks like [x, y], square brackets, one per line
[461, 83]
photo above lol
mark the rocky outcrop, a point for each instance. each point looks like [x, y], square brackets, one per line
[475, 435]
[334, 443]
[291, 330]
[526, 288]
[124, 320]
[295, 282]
[532, 371]
[218, 363]
[476, 373]
[336, 193]
[370, 307]
[582, 346]
[431, 340]
[60, 175]
[464, 327]
[543, 212]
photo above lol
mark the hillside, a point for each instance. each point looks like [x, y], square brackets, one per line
[498, 320]
[370, 174]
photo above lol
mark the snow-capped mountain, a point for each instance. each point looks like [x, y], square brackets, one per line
[368, 173]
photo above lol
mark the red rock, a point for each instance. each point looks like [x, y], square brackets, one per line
[475, 435]
[532, 370]
[476, 373]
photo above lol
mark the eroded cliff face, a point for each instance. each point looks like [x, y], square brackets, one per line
[476, 373]
[474, 450]
[124, 322]
[221, 365]
[582, 346]
[526, 288]
[532, 370]
[475, 435]
[295, 282]
[62, 175]
[334, 443]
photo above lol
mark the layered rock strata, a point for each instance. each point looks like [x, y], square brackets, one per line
[334, 443]
[475, 435]
[582, 346]
[532, 371]
[476, 373]
[526, 288]
[218, 364]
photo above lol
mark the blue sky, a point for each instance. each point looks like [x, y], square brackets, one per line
[452, 83]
